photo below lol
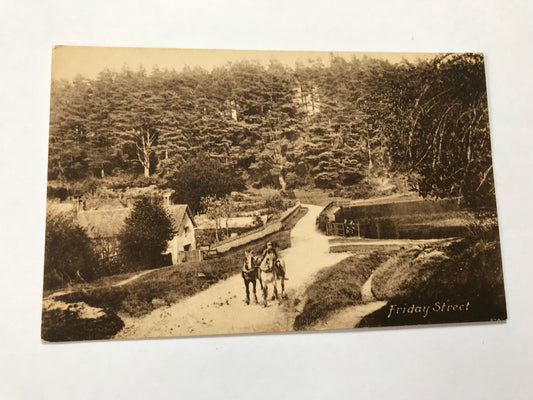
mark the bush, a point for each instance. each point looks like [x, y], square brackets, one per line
[145, 234]
[483, 228]
[60, 193]
[69, 255]
[294, 181]
[89, 185]
[274, 203]
[143, 181]
[109, 261]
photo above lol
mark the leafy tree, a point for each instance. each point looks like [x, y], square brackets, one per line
[217, 208]
[457, 154]
[145, 234]
[437, 127]
[201, 177]
[69, 256]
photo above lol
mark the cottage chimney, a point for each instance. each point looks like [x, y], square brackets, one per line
[166, 199]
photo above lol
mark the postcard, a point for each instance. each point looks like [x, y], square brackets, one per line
[205, 192]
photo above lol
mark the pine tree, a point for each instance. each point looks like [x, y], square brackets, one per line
[145, 234]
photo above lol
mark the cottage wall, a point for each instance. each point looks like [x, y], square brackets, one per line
[184, 240]
[187, 236]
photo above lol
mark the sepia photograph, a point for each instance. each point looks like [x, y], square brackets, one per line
[211, 192]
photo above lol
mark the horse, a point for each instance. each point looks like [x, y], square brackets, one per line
[272, 269]
[250, 274]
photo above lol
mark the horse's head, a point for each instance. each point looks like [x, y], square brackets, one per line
[249, 260]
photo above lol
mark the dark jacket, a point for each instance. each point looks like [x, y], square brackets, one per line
[267, 251]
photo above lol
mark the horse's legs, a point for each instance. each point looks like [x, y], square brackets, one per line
[265, 294]
[282, 281]
[246, 285]
[275, 283]
[255, 295]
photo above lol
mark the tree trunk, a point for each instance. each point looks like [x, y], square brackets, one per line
[369, 152]
[144, 149]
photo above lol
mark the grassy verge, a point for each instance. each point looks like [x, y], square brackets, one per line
[103, 281]
[461, 282]
[337, 287]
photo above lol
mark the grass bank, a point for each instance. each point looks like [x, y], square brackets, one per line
[458, 282]
[337, 287]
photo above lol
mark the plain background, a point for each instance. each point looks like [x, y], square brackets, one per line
[463, 361]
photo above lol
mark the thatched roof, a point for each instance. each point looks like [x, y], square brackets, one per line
[108, 223]
[103, 223]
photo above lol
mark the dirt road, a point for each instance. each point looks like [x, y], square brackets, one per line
[221, 308]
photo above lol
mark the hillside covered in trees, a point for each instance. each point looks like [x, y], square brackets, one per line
[327, 126]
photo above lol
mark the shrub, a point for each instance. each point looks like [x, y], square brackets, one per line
[294, 181]
[145, 234]
[274, 203]
[143, 181]
[69, 255]
[89, 185]
[108, 259]
[60, 193]
[483, 228]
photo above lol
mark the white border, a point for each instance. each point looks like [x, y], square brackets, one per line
[466, 361]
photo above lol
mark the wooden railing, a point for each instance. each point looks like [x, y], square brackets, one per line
[335, 229]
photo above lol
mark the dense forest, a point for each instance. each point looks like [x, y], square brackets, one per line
[327, 126]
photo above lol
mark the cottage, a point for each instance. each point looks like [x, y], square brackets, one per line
[184, 240]
[107, 224]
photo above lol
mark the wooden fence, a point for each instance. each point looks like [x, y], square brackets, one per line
[189, 256]
[335, 229]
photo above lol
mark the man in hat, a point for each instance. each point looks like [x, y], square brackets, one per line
[270, 252]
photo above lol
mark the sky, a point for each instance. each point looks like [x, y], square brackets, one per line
[69, 61]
